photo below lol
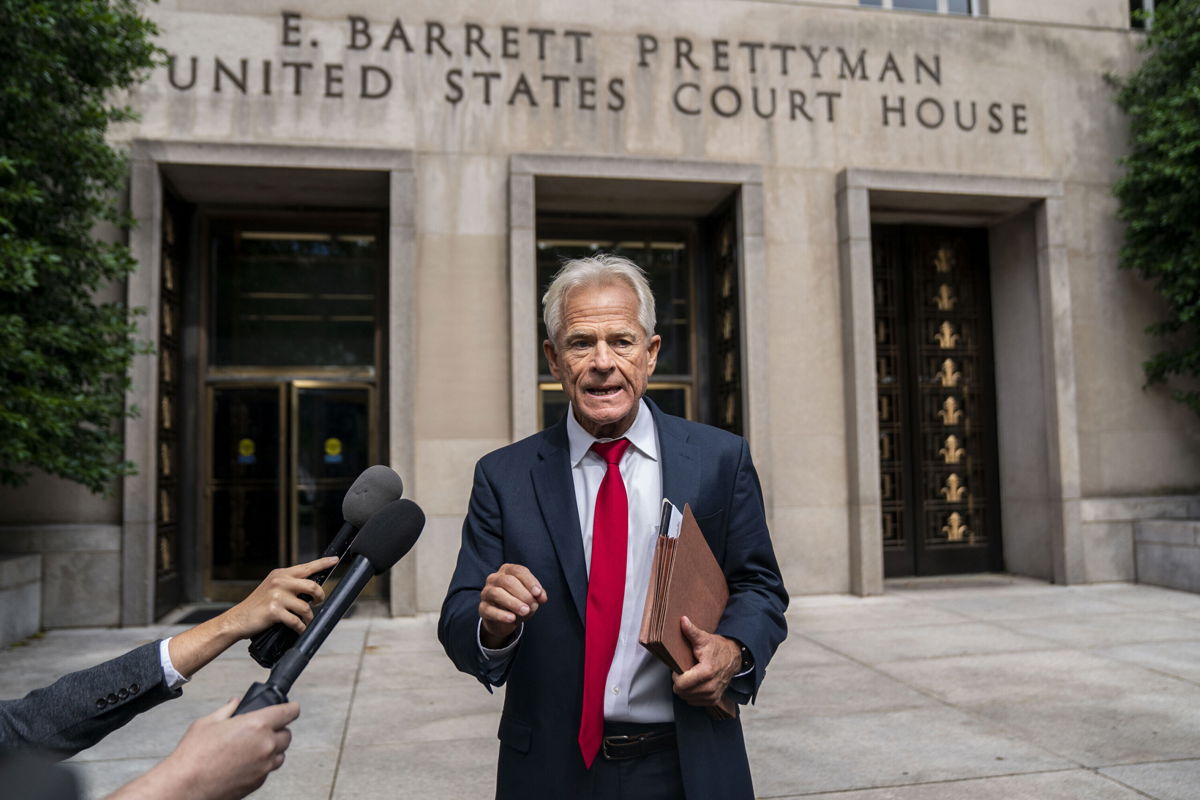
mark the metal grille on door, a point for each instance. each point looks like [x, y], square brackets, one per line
[934, 374]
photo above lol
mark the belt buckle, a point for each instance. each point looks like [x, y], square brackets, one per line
[615, 741]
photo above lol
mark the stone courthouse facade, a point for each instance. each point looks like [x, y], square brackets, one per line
[883, 243]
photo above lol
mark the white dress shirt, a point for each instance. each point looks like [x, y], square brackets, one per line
[638, 688]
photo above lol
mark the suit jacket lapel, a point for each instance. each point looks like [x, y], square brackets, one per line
[680, 461]
[556, 498]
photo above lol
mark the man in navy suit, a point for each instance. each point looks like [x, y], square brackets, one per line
[548, 593]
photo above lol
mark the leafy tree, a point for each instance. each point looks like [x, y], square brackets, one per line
[1160, 190]
[64, 356]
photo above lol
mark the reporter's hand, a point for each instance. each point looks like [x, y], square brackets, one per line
[718, 659]
[510, 596]
[277, 599]
[221, 757]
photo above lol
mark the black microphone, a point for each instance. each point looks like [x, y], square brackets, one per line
[372, 490]
[388, 535]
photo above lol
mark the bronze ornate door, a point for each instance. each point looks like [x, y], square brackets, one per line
[937, 430]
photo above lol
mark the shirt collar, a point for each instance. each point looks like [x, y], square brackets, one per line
[642, 434]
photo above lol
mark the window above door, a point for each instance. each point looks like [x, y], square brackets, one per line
[298, 296]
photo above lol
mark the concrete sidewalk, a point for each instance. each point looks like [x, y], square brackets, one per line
[987, 687]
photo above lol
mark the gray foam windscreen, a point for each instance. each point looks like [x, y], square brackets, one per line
[374, 489]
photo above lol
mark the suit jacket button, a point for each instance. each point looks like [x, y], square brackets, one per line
[133, 688]
[123, 693]
[112, 698]
[101, 703]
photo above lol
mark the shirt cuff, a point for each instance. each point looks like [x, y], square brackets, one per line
[170, 676]
[741, 686]
[503, 653]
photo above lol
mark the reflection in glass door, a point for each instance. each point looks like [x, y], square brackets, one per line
[331, 442]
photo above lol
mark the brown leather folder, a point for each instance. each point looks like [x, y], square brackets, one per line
[685, 579]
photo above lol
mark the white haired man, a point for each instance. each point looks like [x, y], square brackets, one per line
[552, 574]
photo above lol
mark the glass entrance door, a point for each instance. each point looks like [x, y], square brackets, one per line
[246, 505]
[293, 336]
[331, 445]
[281, 459]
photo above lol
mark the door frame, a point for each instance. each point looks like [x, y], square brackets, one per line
[148, 159]
[864, 196]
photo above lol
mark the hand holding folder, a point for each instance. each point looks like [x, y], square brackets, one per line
[685, 579]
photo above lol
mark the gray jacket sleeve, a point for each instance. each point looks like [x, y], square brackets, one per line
[81, 708]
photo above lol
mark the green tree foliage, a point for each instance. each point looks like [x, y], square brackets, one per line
[64, 357]
[1160, 190]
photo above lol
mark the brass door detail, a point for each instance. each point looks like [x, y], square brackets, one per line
[168, 589]
[727, 388]
[951, 453]
[950, 413]
[946, 338]
[945, 299]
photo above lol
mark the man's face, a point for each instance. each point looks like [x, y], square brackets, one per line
[603, 357]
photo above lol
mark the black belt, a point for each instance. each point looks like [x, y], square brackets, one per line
[635, 741]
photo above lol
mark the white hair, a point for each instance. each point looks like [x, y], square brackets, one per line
[603, 269]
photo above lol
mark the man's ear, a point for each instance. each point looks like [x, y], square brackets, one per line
[551, 358]
[653, 346]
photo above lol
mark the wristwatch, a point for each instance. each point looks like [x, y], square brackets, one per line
[747, 661]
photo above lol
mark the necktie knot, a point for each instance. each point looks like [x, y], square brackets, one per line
[612, 451]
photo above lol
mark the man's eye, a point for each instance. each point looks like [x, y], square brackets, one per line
[579, 345]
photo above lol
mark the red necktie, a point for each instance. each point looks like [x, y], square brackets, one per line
[605, 595]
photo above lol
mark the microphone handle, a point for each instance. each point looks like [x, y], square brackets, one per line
[267, 646]
[290, 665]
[260, 695]
[338, 547]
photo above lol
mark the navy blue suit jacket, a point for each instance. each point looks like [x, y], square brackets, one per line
[522, 511]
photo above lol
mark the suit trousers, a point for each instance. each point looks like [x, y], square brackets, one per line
[655, 776]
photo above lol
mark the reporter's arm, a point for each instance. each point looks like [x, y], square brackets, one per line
[81, 708]
[276, 599]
